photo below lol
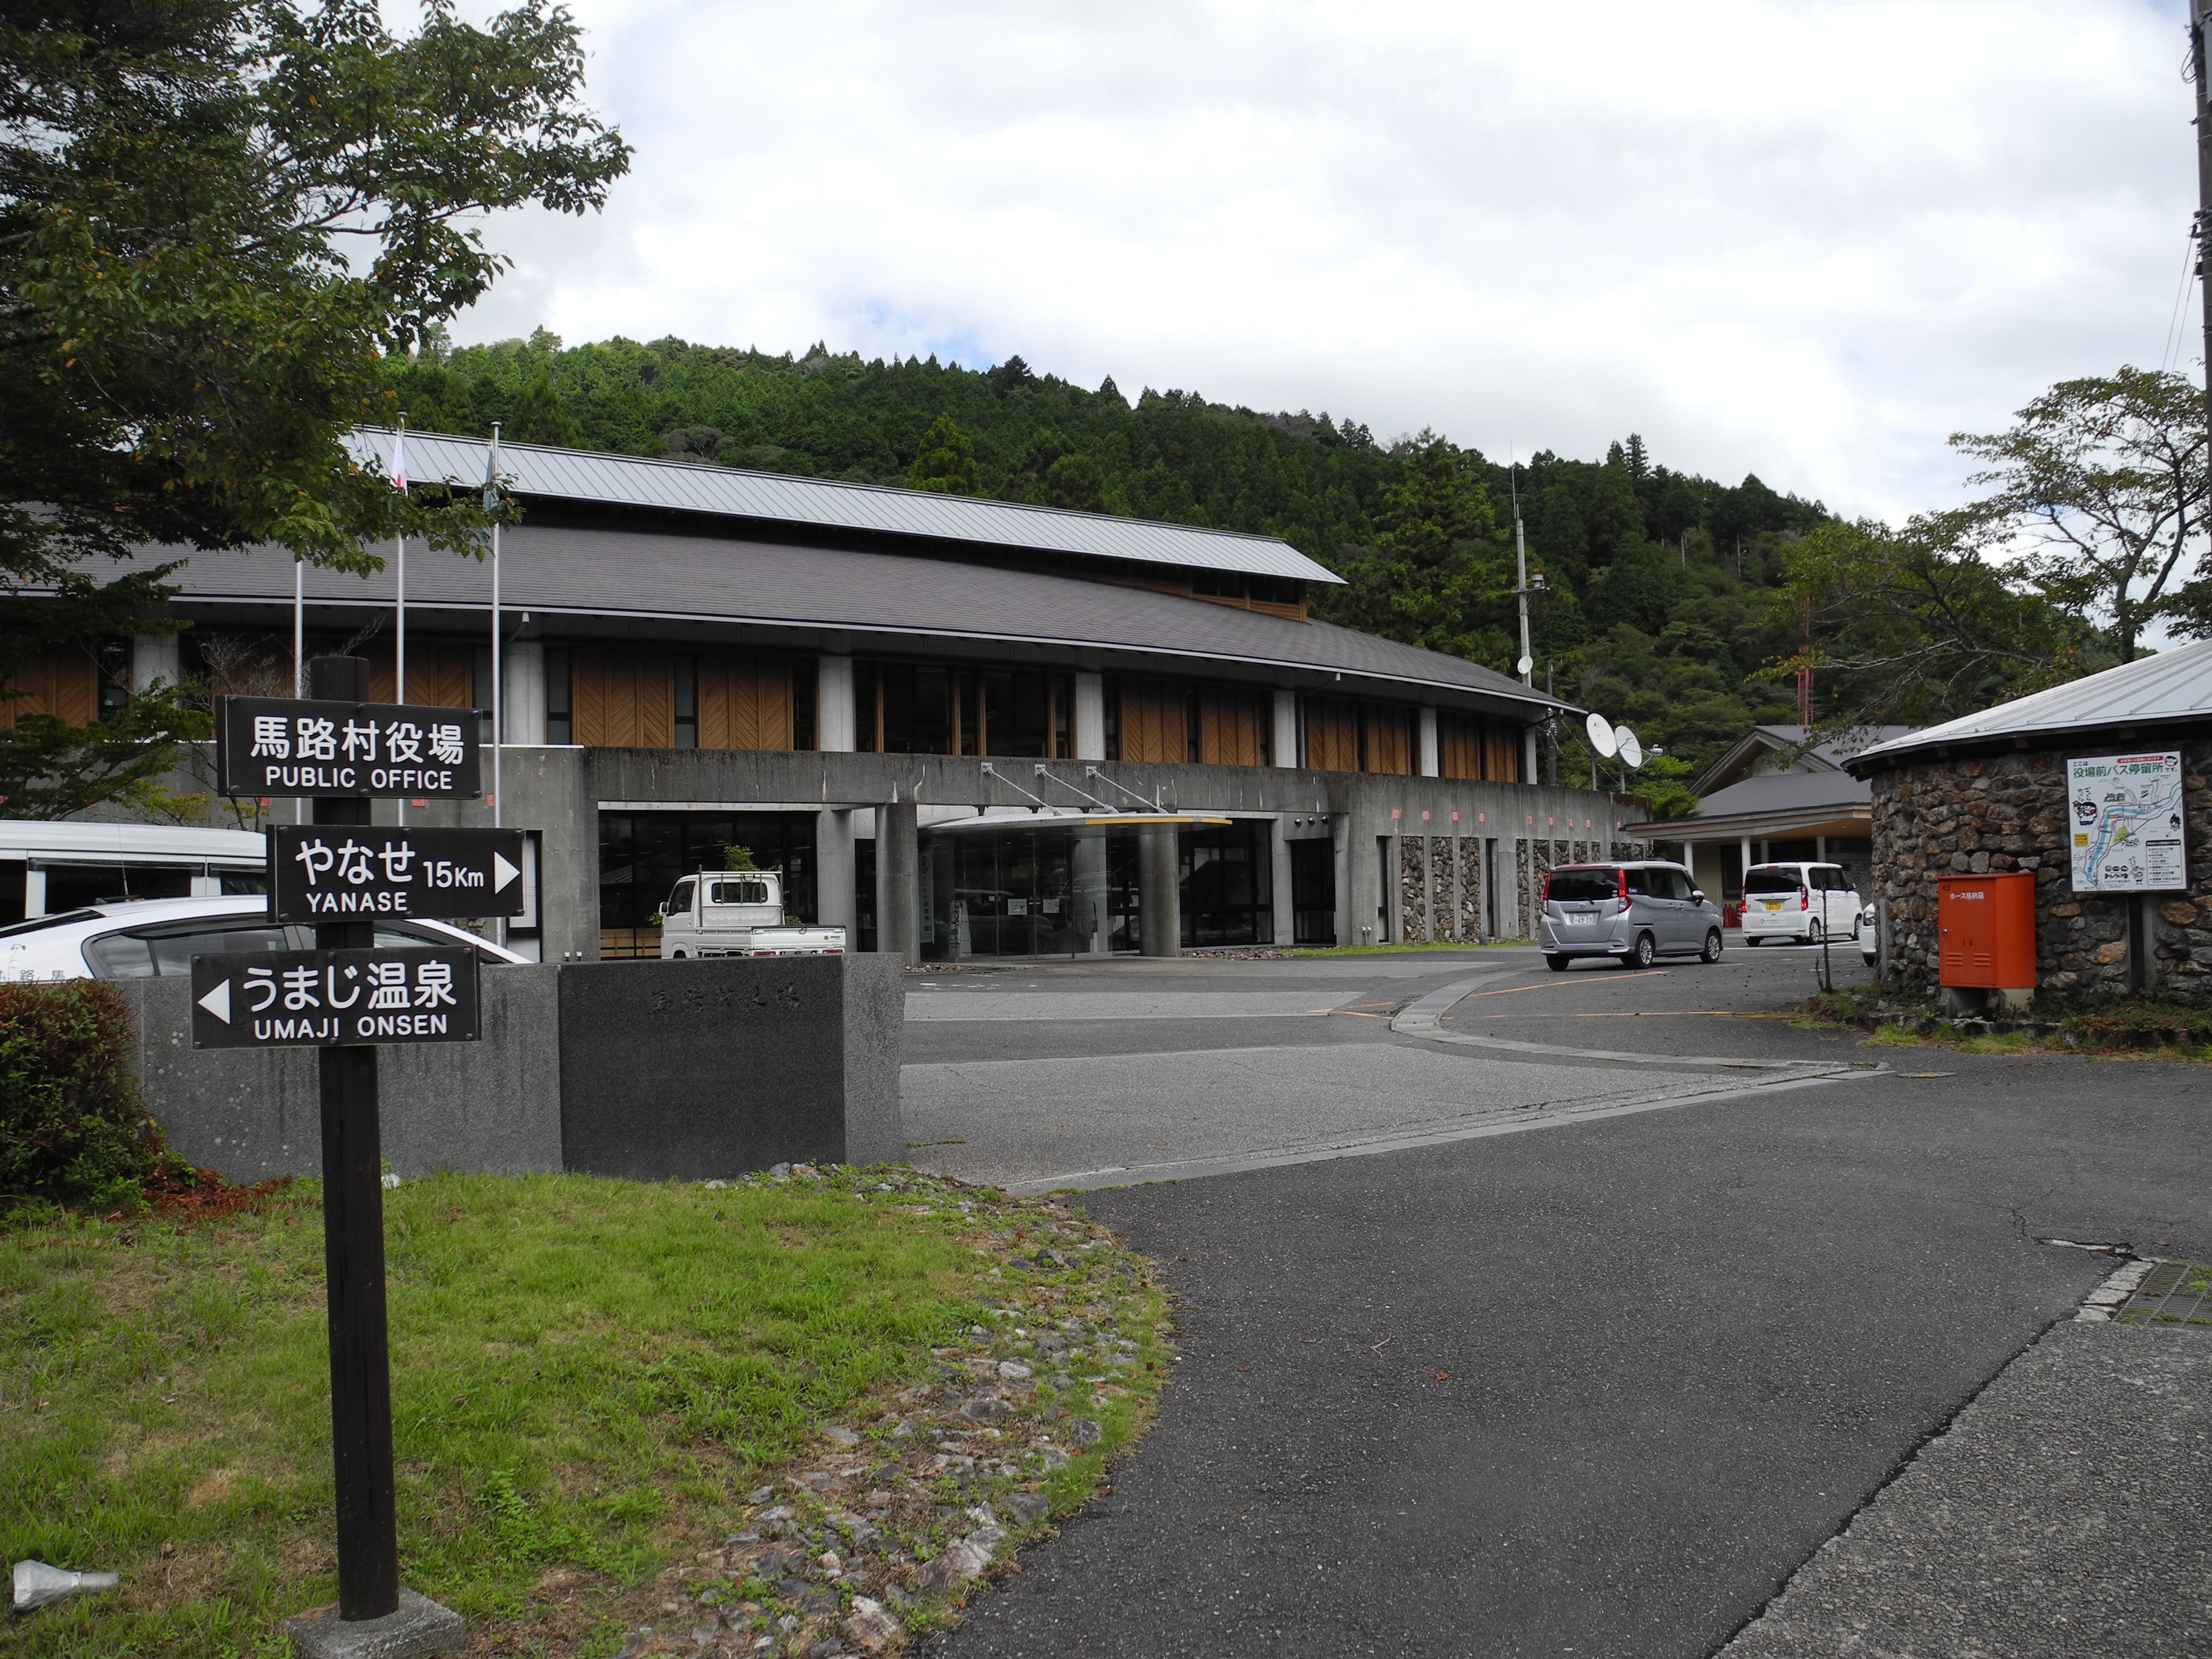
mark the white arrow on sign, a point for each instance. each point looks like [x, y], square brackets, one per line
[502, 873]
[218, 1002]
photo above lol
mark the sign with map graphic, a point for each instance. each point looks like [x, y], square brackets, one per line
[2126, 823]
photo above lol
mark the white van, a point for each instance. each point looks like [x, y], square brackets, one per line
[738, 913]
[1801, 904]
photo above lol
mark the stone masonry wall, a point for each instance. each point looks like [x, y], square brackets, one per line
[1969, 817]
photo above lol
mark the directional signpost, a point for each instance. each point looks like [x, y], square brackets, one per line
[349, 998]
[334, 998]
[318, 873]
[328, 748]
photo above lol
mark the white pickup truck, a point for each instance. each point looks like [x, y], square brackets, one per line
[738, 913]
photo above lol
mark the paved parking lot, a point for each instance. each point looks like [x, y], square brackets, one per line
[1597, 1385]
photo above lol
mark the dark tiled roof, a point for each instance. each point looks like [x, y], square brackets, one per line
[641, 575]
[580, 475]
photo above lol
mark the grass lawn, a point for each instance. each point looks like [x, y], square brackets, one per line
[615, 1406]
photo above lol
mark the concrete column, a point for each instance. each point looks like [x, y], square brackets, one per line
[1092, 925]
[835, 879]
[1746, 864]
[1285, 745]
[522, 702]
[1431, 765]
[1345, 850]
[156, 657]
[1819, 849]
[1090, 717]
[1159, 903]
[898, 885]
[833, 705]
[1279, 850]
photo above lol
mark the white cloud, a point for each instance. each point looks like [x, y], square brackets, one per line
[1803, 237]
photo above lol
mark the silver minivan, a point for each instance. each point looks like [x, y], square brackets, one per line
[1634, 912]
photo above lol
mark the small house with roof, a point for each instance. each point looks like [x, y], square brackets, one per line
[1989, 792]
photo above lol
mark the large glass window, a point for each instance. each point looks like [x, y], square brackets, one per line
[922, 708]
[642, 855]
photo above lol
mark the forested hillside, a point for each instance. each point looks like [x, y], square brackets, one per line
[1665, 605]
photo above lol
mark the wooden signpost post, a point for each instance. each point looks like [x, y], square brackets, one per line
[348, 997]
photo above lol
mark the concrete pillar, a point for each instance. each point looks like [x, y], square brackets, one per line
[156, 657]
[898, 884]
[1746, 864]
[1819, 849]
[1345, 846]
[1090, 717]
[1279, 849]
[1159, 903]
[834, 730]
[522, 702]
[1092, 925]
[1283, 750]
[1431, 765]
[837, 874]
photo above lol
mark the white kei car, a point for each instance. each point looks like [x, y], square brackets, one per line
[153, 939]
[1799, 903]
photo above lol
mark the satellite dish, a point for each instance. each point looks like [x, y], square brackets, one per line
[1601, 735]
[1631, 750]
[1524, 665]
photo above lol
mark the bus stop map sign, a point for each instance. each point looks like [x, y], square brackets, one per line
[2126, 823]
[293, 746]
[334, 998]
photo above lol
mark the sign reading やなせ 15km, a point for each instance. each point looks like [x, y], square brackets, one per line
[334, 998]
[2127, 824]
[385, 751]
[327, 872]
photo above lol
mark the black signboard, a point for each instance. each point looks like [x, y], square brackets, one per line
[329, 872]
[334, 998]
[384, 751]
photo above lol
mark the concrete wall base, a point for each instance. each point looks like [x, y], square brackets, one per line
[649, 1070]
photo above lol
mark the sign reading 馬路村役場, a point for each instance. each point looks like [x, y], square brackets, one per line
[2126, 823]
[334, 998]
[323, 872]
[300, 747]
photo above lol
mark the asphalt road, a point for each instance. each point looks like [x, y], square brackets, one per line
[1596, 1388]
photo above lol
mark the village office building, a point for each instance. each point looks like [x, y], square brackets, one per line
[964, 728]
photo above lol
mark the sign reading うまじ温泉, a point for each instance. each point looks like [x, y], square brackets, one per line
[2126, 823]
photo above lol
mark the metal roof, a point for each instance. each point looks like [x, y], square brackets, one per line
[578, 475]
[583, 580]
[2172, 686]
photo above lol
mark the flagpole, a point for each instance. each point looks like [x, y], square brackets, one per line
[299, 653]
[498, 725]
[399, 625]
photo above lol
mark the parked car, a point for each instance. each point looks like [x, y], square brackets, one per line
[155, 938]
[1869, 935]
[1801, 901]
[1632, 912]
[738, 913]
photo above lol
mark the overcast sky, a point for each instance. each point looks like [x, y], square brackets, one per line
[1804, 240]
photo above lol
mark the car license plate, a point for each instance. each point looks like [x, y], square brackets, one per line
[1774, 904]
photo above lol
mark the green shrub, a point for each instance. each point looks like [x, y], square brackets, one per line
[73, 1130]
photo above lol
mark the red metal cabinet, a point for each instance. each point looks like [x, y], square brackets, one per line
[1986, 927]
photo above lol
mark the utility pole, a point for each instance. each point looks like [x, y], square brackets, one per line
[2200, 19]
[1521, 574]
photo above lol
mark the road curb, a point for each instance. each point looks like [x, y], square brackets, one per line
[1420, 1018]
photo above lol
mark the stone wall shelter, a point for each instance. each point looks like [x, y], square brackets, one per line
[1988, 791]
